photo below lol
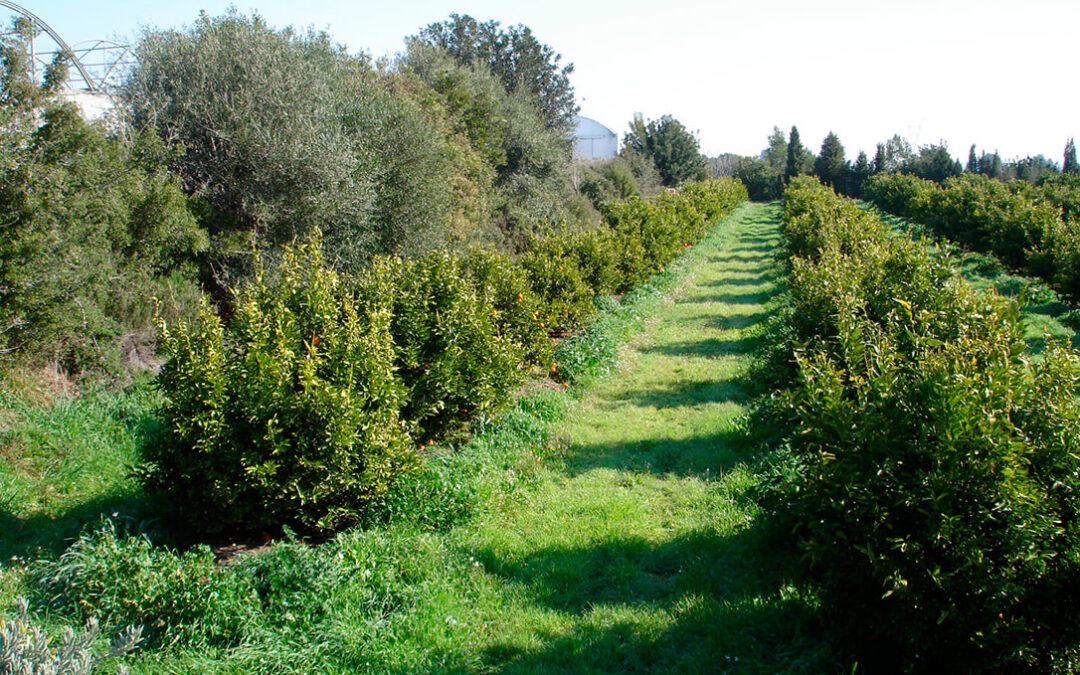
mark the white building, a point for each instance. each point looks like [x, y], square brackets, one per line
[593, 141]
[92, 105]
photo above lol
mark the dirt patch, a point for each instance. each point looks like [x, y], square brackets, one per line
[138, 351]
[228, 554]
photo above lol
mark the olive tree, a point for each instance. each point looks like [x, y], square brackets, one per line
[286, 132]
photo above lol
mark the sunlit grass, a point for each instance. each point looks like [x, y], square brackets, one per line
[66, 458]
[640, 551]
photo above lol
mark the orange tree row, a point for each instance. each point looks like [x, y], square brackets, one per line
[935, 478]
[311, 399]
[1035, 230]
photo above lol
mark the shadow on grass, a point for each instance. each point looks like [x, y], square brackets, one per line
[1038, 344]
[700, 456]
[681, 394]
[741, 321]
[758, 298]
[635, 572]
[710, 347]
[1051, 309]
[764, 246]
[32, 536]
[726, 259]
[701, 602]
[756, 280]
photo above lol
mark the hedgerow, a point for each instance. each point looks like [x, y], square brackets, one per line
[1031, 229]
[288, 412]
[937, 481]
[450, 355]
[309, 401]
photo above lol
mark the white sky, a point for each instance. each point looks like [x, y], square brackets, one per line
[997, 73]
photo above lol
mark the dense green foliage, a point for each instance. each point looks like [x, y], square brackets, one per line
[271, 603]
[610, 182]
[509, 533]
[637, 239]
[1063, 191]
[775, 154]
[289, 411]
[121, 579]
[515, 304]
[763, 182]
[673, 149]
[300, 408]
[272, 134]
[796, 156]
[829, 165]
[450, 354]
[83, 209]
[514, 55]
[933, 163]
[515, 174]
[934, 486]
[284, 132]
[1029, 228]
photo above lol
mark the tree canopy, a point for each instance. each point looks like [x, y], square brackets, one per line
[795, 155]
[516, 57]
[673, 149]
[1070, 166]
[776, 153]
[829, 166]
[82, 208]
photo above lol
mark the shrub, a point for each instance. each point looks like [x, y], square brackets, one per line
[287, 413]
[596, 187]
[84, 210]
[597, 254]
[937, 496]
[516, 306]
[286, 133]
[1063, 191]
[565, 295]
[610, 182]
[621, 177]
[449, 353]
[897, 193]
[642, 228]
[762, 181]
[1032, 230]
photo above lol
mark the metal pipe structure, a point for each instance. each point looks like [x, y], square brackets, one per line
[90, 83]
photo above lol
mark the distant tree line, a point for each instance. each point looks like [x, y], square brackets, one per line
[785, 157]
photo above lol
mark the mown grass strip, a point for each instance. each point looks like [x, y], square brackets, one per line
[639, 551]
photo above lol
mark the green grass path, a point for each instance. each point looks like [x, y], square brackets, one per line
[638, 552]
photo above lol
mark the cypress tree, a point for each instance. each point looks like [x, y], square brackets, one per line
[995, 166]
[776, 153]
[829, 165]
[795, 152]
[1070, 165]
[860, 173]
[973, 161]
[879, 158]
